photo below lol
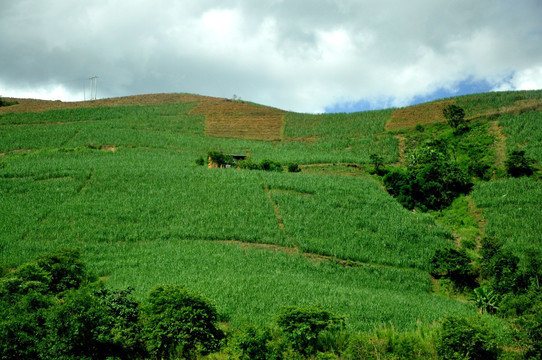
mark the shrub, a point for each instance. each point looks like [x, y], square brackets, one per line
[219, 158]
[430, 181]
[248, 164]
[454, 265]
[253, 343]
[66, 269]
[293, 167]
[517, 164]
[378, 162]
[180, 323]
[462, 338]
[303, 325]
[455, 115]
[270, 165]
[200, 161]
[96, 325]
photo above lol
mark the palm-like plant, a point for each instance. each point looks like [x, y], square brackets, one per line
[485, 300]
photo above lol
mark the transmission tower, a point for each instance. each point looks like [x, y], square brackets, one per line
[93, 84]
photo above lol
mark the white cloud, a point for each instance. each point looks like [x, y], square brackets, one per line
[298, 55]
[528, 79]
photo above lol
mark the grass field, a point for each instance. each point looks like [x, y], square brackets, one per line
[512, 208]
[118, 179]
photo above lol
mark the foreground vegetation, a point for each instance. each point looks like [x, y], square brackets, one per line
[315, 262]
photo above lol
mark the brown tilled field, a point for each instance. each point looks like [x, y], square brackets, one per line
[227, 118]
[421, 114]
[431, 112]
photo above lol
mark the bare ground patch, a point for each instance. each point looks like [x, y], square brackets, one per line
[500, 143]
[237, 119]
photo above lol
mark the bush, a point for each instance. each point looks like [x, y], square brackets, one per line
[95, 325]
[430, 181]
[455, 116]
[253, 343]
[270, 165]
[248, 164]
[517, 164]
[462, 338]
[66, 269]
[293, 167]
[219, 158]
[303, 325]
[179, 323]
[200, 161]
[454, 265]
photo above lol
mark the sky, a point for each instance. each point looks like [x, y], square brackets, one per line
[306, 56]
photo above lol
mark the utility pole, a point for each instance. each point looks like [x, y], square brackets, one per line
[93, 83]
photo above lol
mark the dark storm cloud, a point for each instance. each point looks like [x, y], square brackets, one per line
[296, 55]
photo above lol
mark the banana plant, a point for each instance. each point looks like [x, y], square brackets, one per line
[485, 300]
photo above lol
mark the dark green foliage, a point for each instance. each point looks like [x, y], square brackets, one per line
[293, 167]
[22, 327]
[485, 299]
[517, 164]
[97, 325]
[219, 158]
[248, 164]
[455, 115]
[270, 165]
[419, 128]
[66, 268]
[430, 181]
[303, 325]
[454, 265]
[505, 276]
[200, 161]
[180, 323]
[254, 343]
[462, 338]
[378, 162]
[4, 102]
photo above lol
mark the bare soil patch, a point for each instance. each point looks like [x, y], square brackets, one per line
[421, 114]
[500, 143]
[238, 119]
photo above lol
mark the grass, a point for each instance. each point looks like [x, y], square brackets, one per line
[120, 182]
[512, 208]
[524, 131]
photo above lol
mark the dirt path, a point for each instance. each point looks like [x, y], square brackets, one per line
[311, 256]
[500, 143]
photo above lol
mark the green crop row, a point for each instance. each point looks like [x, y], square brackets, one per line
[512, 208]
[524, 131]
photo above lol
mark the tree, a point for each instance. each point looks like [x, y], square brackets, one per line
[466, 339]
[180, 323]
[303, 325]
[455, 115]
[66, 269]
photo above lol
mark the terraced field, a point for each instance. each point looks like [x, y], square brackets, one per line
[117, 178]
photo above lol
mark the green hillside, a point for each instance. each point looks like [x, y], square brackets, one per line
[118, 179]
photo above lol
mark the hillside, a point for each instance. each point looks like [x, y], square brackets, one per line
[118, 179]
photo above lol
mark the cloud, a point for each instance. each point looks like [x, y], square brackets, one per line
[297, 55]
